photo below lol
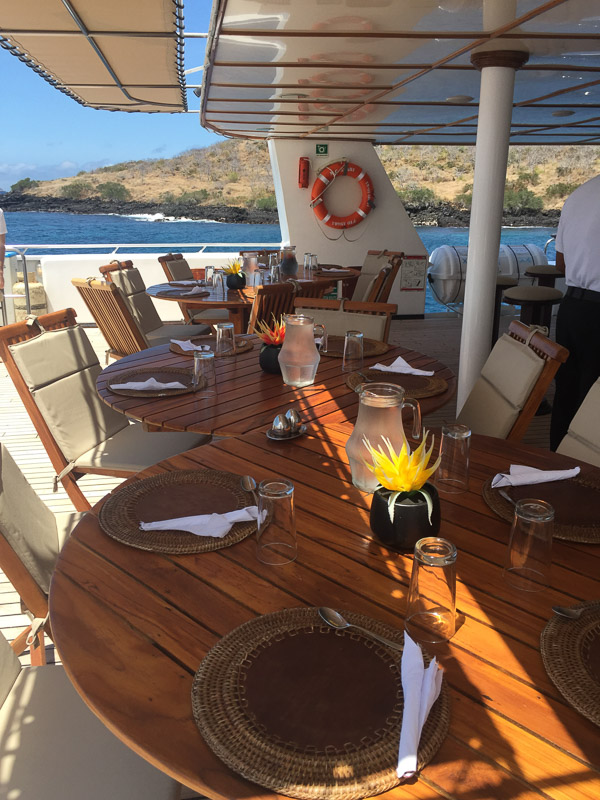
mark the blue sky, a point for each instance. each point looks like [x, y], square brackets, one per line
[47, 135]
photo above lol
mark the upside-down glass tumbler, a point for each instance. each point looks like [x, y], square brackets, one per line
[431, 610]
[276, 534]
[529, 554]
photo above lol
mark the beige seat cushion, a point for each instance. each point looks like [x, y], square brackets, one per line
[165, 333]
[370, 270]
[54, 747]
[338, 322]
[583, 437]
[65, 522]
[218, 314]
[133, 289]
[133, 449]
[507, 379]
[180, 269]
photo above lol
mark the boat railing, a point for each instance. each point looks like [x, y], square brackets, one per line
[22, 250]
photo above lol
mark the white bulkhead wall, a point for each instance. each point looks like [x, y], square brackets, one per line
[387, 226]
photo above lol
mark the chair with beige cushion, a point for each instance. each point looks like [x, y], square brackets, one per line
[176, 268]
[512, 383]
[583, 437]
[339, 316]
[377, 276]
[54, 747]
[54, 369]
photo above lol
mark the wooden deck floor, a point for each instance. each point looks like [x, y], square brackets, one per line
[438, 336]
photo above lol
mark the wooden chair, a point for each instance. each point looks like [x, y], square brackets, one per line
[55, 747]
[373, 285]
[583, 437]
[512, 384]
[176, 268]
[54, 369]
[313, 289]
[31, 537]
[271, 300]
[339, 316]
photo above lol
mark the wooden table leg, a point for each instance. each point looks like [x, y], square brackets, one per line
[239, 317]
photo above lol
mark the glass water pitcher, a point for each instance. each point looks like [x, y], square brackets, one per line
[379, 416]
[299, 357]
[289, 263]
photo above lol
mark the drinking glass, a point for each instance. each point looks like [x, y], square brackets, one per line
[306, 265]
[452, 475]
[353, 351]
[276, 534]
[320, 334]
[431, 610]
[314, 262]
[275, 273]
[205, 379]
[209, 271]
[219, 283]
[529, 554]
[225, 344]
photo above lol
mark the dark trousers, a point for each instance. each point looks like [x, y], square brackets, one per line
[577, 329]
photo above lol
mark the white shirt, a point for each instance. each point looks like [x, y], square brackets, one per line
[2, 223]
[578, 236]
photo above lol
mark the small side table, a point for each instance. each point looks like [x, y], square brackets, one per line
[546, 274]
[502, 282]
[536, 303]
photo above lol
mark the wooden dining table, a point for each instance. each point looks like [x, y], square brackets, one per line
[132, 627]
[249, 398]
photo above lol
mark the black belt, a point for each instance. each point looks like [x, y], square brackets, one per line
[582, 294]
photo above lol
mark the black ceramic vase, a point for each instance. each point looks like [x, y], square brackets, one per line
[268, 358]
[236, 280]
[411, 519]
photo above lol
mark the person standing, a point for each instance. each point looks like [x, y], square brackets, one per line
[2, 247]
[578, 319]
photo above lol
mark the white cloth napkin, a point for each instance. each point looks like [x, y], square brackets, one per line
[401, 366]
[150, 384]
[186, 345]
[195, 290]
[520, 475]
[184, 283]
[332, 269]
[216, 525]
[421, 688]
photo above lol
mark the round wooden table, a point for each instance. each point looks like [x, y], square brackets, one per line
[132, 626]
[237, 302]
[248, 398]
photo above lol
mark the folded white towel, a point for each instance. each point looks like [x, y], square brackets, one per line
[402, 366]
[188, 346]
[421, 688]
[520, 475]
[150, 384]
[195, 290]
[216, 525]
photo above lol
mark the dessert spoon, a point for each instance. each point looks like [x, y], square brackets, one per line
[336, 620]
[248, 484]
[568, 613]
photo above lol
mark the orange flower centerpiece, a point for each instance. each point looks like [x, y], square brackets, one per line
[236, 277]
[405, 507]
[272, 338]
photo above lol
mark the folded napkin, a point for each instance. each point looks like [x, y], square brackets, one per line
[195, 290]
[217, 525]
[519, 475]
[184, 283]
[401, 366]
[332, 269]
[421, 688]
[150, 384]
[186, 345]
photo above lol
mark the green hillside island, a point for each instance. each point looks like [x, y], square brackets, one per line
[232, 180]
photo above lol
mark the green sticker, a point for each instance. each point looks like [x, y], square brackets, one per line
[322, 149]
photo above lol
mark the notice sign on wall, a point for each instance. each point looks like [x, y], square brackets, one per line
[322, 149]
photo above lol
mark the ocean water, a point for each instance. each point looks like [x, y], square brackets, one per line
[46, 228]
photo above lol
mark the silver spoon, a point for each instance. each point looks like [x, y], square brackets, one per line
[506, 496]
[568, 613]
[248, 484]
[335, 619]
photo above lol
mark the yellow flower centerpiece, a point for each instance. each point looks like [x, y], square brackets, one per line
[233, 268]
[236, 277]
[411, 503]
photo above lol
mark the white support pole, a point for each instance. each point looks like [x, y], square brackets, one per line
[491, 157]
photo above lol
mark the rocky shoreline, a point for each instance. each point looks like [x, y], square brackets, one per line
[443, 215]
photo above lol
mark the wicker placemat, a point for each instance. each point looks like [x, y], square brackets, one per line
[571, 654]
[576, 504]
[242, 345]
[175, 494]
[416, 386]
[371, 347]
[309, 712]
[161, 374]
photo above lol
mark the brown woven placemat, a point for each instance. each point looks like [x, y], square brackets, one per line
[309, 712]
[162, 374]
[571, 654]
[371, 347]
[170, 495]
[576, 504]
[416, 386]
[242, 345]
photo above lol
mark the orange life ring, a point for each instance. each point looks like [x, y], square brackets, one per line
[324, 179]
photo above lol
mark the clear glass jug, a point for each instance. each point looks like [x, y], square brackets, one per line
[299, 357]
[379, 415]
[289, 264]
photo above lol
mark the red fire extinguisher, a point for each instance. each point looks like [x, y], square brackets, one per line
[303, 168]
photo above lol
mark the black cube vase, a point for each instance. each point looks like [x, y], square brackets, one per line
[235, 281]
[268, 358]
[411, 518]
